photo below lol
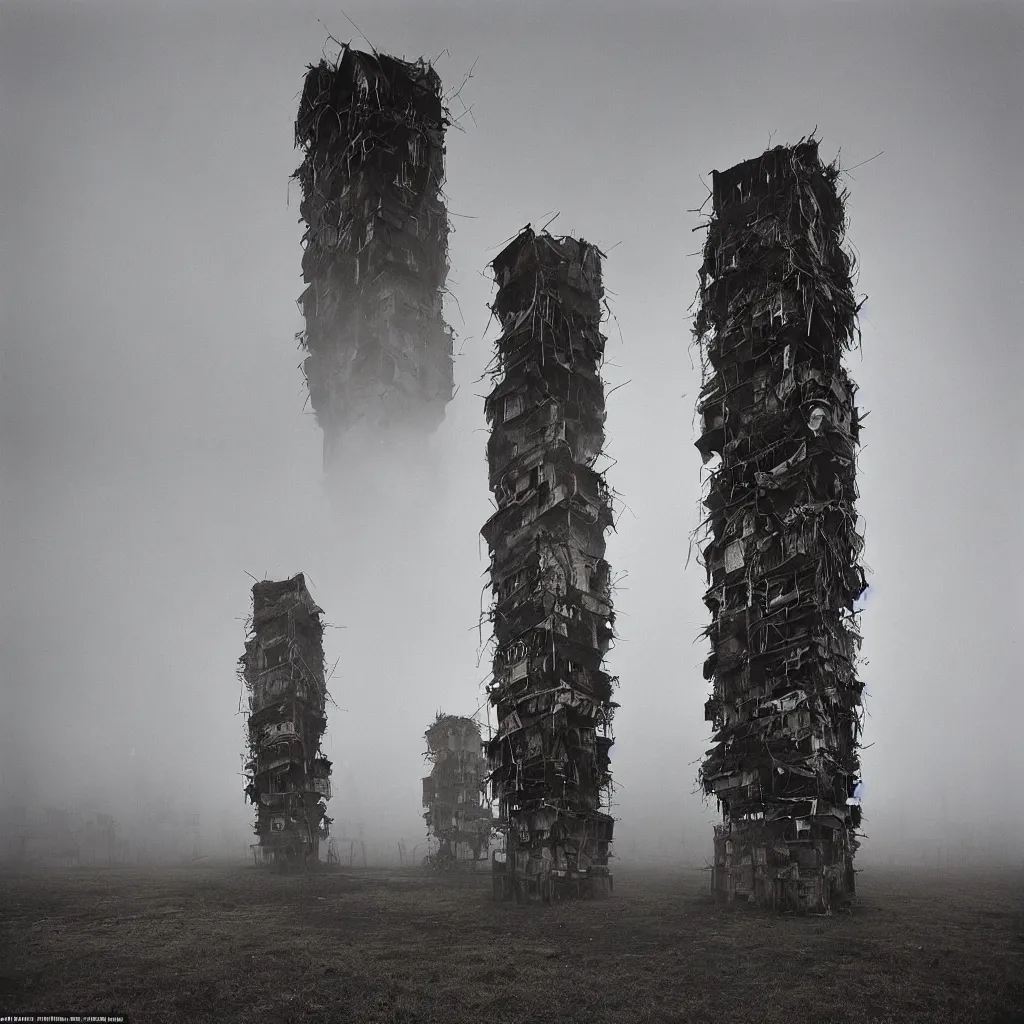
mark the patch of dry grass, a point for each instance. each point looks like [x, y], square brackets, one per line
[233, 943]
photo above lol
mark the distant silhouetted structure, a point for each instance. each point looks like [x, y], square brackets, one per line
[777, 314]
[283, 670]
[552, 614]
[375, 260]
[452, 793]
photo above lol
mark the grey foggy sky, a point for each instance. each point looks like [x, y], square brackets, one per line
[155, 449]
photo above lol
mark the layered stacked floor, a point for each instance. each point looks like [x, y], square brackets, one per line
[777, 314]
[553, 618]
[283, 670]
[375, 261]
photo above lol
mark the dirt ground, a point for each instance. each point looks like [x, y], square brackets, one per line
[235, 943]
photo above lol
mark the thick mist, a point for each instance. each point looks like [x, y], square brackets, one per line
[156, 447]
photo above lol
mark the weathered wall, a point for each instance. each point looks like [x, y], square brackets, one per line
[777, 314]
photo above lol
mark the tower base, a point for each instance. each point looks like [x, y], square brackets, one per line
[807, 875]
[548, 887]
[300, 855]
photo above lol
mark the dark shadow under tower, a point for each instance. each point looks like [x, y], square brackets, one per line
[552, 614]
[777, 315]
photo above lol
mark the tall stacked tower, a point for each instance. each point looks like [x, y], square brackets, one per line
[777, 315]
[552, 615]
[375, 261]
[283, 670]
[453, 791]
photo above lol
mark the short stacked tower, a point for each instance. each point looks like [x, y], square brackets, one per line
[283, 670]
[456, 815]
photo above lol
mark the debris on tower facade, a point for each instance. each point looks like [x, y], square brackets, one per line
[553, 618]
[777, 313]
[375, 261]
[283, 670]
[453, 792]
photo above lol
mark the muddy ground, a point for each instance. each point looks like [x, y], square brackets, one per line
[231, 942]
